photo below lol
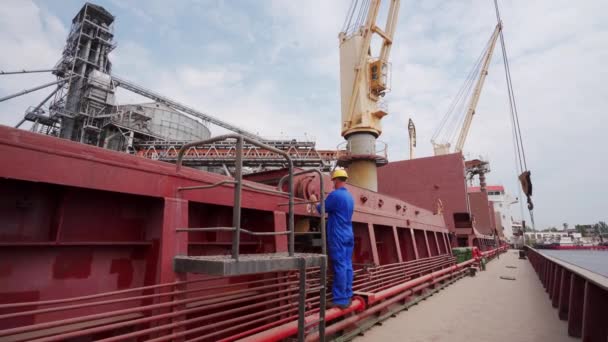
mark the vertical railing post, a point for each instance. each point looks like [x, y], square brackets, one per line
[322, 300]
[292, 238]
[302, 301]
[564, 295]
[575, 306]
[238, 187]
[323, 224]
[397, 244]
[414, 243]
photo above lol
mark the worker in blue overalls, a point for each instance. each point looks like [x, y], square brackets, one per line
[339, 206]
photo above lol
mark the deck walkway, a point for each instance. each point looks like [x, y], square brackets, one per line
[483, 308]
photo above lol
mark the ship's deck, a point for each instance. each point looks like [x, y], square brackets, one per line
[484, 308]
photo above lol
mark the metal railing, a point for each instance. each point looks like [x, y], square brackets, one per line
[580, 296]
[238, 189]
[321, 200]
[236, 220]
[380, 153]
[161, 310]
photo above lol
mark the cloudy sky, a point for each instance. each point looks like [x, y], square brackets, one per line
[272, 67]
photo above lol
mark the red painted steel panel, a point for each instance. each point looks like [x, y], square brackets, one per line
[397, 244]
[172, 243]
[421, 244]
[414, 243]
[492, 214]
[373, 244]
[280, 225]
[595, 311]
[385, 243]
[555, 287]
[95, 221]
[482, 213]
[564, 298]
[575, 312]
[408, 251]
[424, 181]
[433, 246]
[362, 253]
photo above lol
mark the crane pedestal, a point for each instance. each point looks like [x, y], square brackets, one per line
[362, 158]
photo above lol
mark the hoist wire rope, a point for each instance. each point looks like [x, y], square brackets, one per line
[458, 121]
[463, 93]
[511, 94]
[364, 12]
[517, 169]
[349, 16]
[360, 14]
[455, 102]
[521, 163]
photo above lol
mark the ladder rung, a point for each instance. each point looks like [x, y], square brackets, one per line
[208, 229]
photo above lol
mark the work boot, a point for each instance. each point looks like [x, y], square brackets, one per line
[341, 306]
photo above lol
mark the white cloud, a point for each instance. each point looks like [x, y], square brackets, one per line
[557, 52]
[31, 39]
[309, 31]
[557, 48]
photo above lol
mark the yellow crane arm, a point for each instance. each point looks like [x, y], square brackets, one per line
[363, 78]
[477, 91]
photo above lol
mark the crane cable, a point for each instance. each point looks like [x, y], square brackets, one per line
[349, 16]
[520, 154]
[356, 16]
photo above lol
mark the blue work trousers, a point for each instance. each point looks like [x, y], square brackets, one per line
[341, 255]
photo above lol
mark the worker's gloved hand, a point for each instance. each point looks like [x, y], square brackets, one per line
[313, 198]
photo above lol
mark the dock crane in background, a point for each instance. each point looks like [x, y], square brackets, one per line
[452, 118]
[442, 146]
[363, 82]
[411, 129]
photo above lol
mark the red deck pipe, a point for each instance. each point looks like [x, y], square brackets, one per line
[378, 296]
[257, 329]
[358, 304]
[334, 328]
[291, 328]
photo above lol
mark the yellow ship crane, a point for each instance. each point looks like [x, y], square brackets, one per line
[364, 80]
[446, 130]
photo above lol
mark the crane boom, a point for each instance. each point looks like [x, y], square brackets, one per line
[363, 82]
[363, 77]
[443, 146]
[477, 91]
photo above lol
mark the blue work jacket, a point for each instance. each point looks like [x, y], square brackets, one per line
[339, 204]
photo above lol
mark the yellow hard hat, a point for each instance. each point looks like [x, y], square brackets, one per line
[340, 173]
